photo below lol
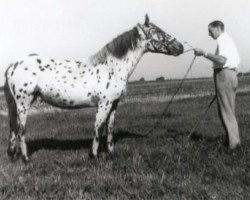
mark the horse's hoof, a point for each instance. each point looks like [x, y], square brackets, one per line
[25, 159]
[92, 156]
[13, 157]
[11, 151]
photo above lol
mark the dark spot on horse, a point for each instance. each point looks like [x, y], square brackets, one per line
[22, 103]
[64, 77]
[67, 60]
[71, 102]
[75, 78]
[69, 71]
[64, 100]
[107, 86]
[52, 60]
[85, 82]
[78, 63]
[97, 71]
[47, 66]
[25, 92]
[85, 66]
[111, 60]
[94, 99]
[21, 62]
[51, 89]
[14, 90]
[34, 73]
[25, 68]
[15, 65]
[57, 95]
[92, 73]
[20, 90]
[60, 63]
[33, 54]
[57, 72]
[89, 94]
[12, 73]
[39, 61]
[18, 96]
[104, 96]
[41, 68]
[25, 84]
[107, 103]
[65, 81]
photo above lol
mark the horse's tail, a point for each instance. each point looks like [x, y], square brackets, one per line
[11, 104]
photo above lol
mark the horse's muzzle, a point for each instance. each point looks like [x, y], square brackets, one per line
[175, 48]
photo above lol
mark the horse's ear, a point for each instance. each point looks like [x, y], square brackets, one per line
[146, 20]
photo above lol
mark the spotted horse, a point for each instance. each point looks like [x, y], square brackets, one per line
[99, 81]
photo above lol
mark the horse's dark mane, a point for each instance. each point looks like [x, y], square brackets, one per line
[118, 47]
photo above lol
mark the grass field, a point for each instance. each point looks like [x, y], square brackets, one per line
[163, 165]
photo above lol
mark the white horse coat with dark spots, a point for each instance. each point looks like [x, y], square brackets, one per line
[98, 81]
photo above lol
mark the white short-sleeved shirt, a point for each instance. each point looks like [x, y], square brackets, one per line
[227, 48]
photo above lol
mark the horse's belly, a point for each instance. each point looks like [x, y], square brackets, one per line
[68, 99]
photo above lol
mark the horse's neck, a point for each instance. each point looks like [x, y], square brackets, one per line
[128, 63]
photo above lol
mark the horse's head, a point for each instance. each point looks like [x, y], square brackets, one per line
[159, 41]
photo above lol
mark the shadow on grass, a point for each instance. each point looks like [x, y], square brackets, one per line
[64, 145]
[195, 136]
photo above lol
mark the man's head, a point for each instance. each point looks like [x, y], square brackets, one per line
[215, 29]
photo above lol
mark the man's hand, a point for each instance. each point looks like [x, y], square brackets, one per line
[199, 52]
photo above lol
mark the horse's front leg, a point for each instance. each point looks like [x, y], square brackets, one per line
[110, 127]
[101, 117]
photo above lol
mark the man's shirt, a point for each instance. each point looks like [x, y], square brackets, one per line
[227, 48]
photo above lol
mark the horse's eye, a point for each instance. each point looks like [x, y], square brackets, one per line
[160, 37]
[152, 31]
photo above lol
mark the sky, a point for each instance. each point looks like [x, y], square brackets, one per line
[77, 29]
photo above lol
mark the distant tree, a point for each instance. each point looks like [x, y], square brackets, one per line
[159, 79]
[240, 74]
[247, 74]
[141, 79]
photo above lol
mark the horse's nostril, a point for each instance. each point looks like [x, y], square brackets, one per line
[181, 48]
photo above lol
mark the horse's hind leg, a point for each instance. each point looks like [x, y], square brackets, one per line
[12, 113]
[12, 148]
[22, 113]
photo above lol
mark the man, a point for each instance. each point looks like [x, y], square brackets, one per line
[225, 63]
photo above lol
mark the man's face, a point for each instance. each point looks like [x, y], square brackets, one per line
[214, 32]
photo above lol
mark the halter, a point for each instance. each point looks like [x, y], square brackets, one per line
[152, 41]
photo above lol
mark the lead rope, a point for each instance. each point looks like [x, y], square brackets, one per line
[173, 96]
[202, 118]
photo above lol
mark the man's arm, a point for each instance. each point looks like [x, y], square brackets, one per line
[221, 60]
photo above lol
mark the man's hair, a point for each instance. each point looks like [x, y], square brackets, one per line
[217, 23]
